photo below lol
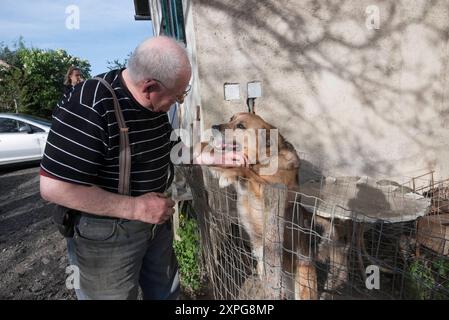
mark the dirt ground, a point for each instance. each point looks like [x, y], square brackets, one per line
[32, 252]
[33, 255]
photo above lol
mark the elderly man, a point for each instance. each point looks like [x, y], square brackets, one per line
[120, 241]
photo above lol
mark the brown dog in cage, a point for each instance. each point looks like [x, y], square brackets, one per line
[271, 160]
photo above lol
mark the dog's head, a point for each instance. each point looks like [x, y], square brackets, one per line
[226, 135]
[258, 140]
[243, 121]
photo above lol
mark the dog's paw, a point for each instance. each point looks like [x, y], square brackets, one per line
[226, 180]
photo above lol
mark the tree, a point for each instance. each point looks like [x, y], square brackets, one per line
[117, 64]
[34, 78]
[9, 56]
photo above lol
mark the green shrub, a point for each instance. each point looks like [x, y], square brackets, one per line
[441, 267]
[429, 280]
[421, 281]
[188, 254]
[33, 82]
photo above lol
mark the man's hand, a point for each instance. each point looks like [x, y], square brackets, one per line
[153, 208]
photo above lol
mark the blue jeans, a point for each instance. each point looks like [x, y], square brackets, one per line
[115, 256]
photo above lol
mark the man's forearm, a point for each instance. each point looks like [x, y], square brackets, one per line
[87, 199]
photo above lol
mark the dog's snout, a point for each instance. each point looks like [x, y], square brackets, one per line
[216, 127]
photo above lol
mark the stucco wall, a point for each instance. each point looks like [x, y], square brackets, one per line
[365, 101]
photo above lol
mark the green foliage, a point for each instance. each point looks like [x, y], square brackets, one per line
[187, 253]
[441, 267]
[422, 280]
[9, 56]
[33, 81]
[429, 280]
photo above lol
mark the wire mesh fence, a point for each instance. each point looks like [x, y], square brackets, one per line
[333, 238]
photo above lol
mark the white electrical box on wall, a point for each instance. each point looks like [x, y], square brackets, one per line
[254, 89]
[232, 91]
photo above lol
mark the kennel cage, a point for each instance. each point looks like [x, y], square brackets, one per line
[400, 228]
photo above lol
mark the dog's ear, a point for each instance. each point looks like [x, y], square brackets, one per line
[288, 158]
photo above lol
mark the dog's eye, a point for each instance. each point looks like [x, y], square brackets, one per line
[240, 126]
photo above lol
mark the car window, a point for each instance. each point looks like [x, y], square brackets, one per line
[36, 129]
[9, 125]
[38, 120]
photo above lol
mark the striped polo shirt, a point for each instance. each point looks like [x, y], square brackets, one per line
[83, 143]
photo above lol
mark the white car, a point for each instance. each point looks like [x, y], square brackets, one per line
[22, 137]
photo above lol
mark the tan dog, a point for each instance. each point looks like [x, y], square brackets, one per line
[279, 154]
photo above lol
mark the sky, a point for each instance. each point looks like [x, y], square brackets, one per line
[106, 29]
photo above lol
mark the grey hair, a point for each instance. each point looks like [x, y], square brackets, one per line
[158, 62]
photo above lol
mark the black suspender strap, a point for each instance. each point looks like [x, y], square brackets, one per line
[125, 151]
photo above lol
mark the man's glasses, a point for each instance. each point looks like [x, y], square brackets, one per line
[179, 98]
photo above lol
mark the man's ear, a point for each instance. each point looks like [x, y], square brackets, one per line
[150, 86]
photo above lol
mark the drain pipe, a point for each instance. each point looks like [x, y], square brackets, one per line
[254, 91]
[250, 102]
